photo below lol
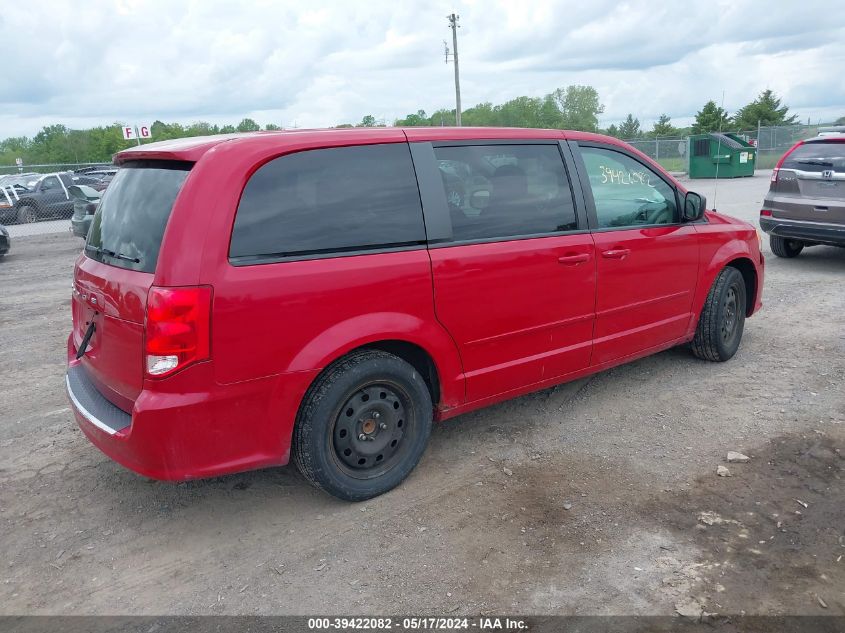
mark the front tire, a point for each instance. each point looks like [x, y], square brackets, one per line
[27, 214]
[783, 247]
[722, 319]
[363, 425]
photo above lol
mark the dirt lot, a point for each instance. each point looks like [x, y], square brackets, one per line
[612, 506]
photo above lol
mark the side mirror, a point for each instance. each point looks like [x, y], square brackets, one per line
[694, 205]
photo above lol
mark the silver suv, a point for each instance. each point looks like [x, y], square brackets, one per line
[805, 205]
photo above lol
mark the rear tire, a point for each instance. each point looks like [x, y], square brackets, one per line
[722, 319]
[783, 247]
[362, 426]
[27, 214]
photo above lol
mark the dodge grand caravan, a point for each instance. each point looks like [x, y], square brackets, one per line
[324, 296]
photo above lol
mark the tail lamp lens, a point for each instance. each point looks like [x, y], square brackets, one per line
[178, 328]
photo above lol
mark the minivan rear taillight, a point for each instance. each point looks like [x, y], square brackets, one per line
[178, 328]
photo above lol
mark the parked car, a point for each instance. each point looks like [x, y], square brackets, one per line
[324, 296]
[94, 182]
[97, 178]
[17, 179]
[43, 196]
[11, 185]
[94, 168]
[85, 201]
[805, 205]
[5, 241]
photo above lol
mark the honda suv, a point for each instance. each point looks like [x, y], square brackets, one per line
[805, 205]
[324, 296]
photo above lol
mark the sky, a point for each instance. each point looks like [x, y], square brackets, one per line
[319, 63]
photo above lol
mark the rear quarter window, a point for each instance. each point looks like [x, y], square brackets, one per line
[129, 224]
[329, 201]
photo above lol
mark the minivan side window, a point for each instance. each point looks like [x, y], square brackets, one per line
[496, 191]
[626, 192]
[329, 201]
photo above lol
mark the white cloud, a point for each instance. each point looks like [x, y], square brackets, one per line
[322, 63]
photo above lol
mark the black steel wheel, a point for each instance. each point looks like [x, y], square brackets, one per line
[722, 319]
[363, 425]
[729, 320]
[369, 430]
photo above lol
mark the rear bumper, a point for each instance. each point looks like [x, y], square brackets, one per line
[819, 232]
[177, 432]
[79, 227]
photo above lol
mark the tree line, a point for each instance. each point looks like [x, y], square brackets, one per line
[579, 107]
[573, 107]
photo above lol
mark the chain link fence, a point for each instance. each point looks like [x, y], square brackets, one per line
[48, 168]
[771, 141]
[670, 152]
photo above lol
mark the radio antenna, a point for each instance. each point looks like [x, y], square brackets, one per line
[718, 151]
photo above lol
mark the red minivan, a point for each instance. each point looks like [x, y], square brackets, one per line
[326, 295]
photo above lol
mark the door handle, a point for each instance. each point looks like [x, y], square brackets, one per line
[573, 260]
[616, 253]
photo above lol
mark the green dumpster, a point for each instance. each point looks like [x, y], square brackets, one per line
[721, 156]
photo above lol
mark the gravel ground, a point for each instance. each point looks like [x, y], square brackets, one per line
[596, 497]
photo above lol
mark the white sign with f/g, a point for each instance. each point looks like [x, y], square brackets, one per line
[133, 132]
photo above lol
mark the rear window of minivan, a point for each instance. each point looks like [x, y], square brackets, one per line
[129, 224]
[327, 202]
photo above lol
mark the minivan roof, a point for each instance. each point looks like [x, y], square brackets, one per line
[192, 148]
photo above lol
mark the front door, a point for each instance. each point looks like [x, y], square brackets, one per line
[647, 260]
[54, 199]
[515, 284]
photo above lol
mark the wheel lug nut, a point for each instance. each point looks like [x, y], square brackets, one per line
[376, 415]
[362, 437]
[382, 426]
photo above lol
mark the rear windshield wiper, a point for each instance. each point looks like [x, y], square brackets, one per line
[106, 251]
[813, 161]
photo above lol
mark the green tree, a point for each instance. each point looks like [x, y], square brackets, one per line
[550, 115]
[368, 121]
[446, 118]
[579, 107]
[272, 127]
[766, 109]
[52, 145]
[413, 120]
[663, 127]
[248, 125]
[203, 128]
[481, 115]
[840, 121]
[630, 128]
[612, 130]
[711, 118]
[228, 129]
[520, 112]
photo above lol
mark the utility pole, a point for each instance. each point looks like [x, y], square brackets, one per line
[453, 24]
